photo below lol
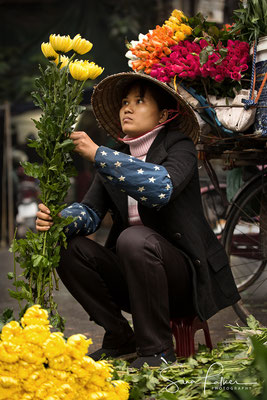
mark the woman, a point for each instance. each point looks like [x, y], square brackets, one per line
[161, 258]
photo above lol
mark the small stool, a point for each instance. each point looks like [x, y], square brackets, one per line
[183, 330]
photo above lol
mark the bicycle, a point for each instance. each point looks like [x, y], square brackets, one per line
[244, 234]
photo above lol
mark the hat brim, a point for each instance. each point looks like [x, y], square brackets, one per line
[106, 103]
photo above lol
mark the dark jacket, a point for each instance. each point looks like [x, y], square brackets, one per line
[181, 220]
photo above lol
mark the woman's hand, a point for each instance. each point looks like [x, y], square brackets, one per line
[84, 145]
[43, 220]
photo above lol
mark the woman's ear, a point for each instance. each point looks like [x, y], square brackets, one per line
[163, 116]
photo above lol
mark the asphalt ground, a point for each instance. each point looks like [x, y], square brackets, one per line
[77, 320]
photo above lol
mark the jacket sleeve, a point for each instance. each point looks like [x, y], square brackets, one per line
[148, 183]
[86, 220]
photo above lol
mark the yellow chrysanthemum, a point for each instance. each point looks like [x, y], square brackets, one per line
[36, 334]
[24, 369]
[11, 332]
[61, 363]
[82, 70]
[61, 44]
[122, 389]
[35, 315]
[34, 381]
[81, 46]
[77, 346]
[48, 51]
[64, 60]
[32, 354]
[98, 396]
[9, 352]
[8, 386]
[55, 345]
[45, 390]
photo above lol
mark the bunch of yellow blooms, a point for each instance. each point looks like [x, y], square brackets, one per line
[177, 22]
[36, 364]
[79, 69]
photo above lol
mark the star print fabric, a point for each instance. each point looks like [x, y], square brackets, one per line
[148, 183]
[87, 221]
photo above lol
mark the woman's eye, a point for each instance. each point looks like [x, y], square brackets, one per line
[139, 101]
[125, 102]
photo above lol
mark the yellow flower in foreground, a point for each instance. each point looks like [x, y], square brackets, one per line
[55, 345]
[32, 354]
[61, 44]
[8, 386]
[64, 60]
[9, 352]
[48, 51]
[81, 46]
[77, 346]
[36, 334]
[83, 70]
[35, 315]
[12, 332]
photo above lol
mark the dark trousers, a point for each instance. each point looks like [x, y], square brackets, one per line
[148, 277]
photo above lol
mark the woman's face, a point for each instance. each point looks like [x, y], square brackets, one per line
[139, 114]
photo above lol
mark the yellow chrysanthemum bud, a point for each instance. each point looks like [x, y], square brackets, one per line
[32, 354]
[35, 315]
[77, 346]
[48, 51]
[82, 70]
[24, 369]
[36, 334]
[34, 381]
[61, 363]
[12, 332]
[81, 46]
[54, 346]
[61, 44]
[122, 389]
[8, 387]
[64, 60]
[9, 352]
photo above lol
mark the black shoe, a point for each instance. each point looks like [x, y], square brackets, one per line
[125, 352]
[155, 360]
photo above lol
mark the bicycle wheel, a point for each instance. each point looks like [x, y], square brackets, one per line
[243, 239]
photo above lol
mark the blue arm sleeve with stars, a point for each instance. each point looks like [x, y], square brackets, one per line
[148, 183]
[87, 221]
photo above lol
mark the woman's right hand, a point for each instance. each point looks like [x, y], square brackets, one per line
[43, 220]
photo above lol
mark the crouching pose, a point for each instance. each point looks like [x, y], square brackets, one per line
[161, 258]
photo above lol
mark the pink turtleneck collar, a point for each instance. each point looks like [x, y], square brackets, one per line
[139, 146]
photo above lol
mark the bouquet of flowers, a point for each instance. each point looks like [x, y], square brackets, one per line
[193, 53]
[58, 94]
[37, 364]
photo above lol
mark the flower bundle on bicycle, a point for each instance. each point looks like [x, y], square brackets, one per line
[194, 56]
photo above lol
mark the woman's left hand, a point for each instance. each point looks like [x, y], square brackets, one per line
[84, 145]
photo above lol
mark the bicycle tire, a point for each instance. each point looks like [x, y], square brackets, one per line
[242, 241]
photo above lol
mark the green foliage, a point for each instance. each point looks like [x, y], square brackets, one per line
[6, 317]
[39, 253]
[251, 20]
[230, 371]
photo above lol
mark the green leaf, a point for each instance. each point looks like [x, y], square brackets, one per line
[253, 323]
[10, 275]
[32, 169]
